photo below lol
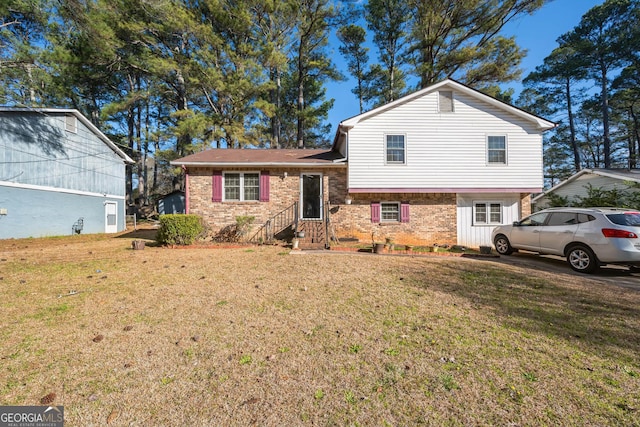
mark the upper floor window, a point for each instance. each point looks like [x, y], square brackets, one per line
[242, 186]
[71, 123]
[445, 101]
[497, 149]
[395, 148]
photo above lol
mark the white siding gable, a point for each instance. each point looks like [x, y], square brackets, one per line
[445, 151]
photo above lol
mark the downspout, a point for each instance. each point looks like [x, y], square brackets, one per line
[186, 189]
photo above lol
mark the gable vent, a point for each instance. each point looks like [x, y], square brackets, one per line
[445, 101]
[71, 123]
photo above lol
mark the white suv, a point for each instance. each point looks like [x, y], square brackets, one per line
[587, 237]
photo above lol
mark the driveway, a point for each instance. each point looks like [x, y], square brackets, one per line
[610, 274]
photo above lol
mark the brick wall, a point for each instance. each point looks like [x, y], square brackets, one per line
[525, 205]
[432, 216]
[432, 219]
[283, 192]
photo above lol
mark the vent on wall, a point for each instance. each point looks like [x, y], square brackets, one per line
[445, 101]
[71, 123]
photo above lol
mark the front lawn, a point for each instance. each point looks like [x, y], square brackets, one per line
[257, 336]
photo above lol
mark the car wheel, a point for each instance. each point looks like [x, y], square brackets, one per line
[582, 259]
[503, 247]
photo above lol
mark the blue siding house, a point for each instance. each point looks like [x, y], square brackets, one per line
[59, 174]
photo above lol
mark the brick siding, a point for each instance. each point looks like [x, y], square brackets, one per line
[433, 216]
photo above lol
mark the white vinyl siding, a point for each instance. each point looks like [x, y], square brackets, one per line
[473, 234]
[446, 150]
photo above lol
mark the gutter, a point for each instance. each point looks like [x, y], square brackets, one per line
[255, 164]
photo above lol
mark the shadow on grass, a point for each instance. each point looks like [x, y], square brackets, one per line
[604, 319]
[144, 233]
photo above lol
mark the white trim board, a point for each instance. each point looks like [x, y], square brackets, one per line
[59, 190]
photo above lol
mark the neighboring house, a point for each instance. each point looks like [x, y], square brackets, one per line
[58, 175]
[443, 165]
[172, 203]
[577, 185]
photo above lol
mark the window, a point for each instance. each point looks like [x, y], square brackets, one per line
[563, 218]
[535, 219]
[487, 213]
[497, 150]
[445, 101]
[242, 186]
[395, 148]
[71, 123]
[390, 212]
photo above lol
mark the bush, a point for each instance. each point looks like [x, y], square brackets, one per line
[235, 232]
[180, 229]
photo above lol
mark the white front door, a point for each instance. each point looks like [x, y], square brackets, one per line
[110, 217]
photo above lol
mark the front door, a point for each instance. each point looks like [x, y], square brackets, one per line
[110, 217]
[311, 196]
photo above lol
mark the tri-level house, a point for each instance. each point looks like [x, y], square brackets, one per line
[445, 164]
[59, 174]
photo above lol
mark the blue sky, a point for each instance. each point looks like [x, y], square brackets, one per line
[536, 33]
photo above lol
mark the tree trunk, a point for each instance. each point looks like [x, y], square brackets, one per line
[572, 129]
[635, 140]
[130, 143]
[605, 116]
[300, 136]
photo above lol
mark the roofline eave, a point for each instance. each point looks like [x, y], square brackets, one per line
[254, 165]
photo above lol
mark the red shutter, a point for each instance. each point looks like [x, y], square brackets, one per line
[264, 186]
[404, 211]
[375, 211]
[217, 186]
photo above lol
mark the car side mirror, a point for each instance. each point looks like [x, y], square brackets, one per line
[516, 223]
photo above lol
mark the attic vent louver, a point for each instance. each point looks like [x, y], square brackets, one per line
[71, 123]
[445, 101]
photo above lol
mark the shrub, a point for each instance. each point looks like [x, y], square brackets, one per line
[235, 232]
[180, 229]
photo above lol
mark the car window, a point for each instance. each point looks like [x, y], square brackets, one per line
[563, 218]
[626, 218]
[535, 219]
[585, 218]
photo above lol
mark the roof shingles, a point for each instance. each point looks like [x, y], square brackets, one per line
[288, 157]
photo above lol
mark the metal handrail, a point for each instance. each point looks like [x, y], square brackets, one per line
[278, 222]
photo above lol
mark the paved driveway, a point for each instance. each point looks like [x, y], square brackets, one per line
[615, 275]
